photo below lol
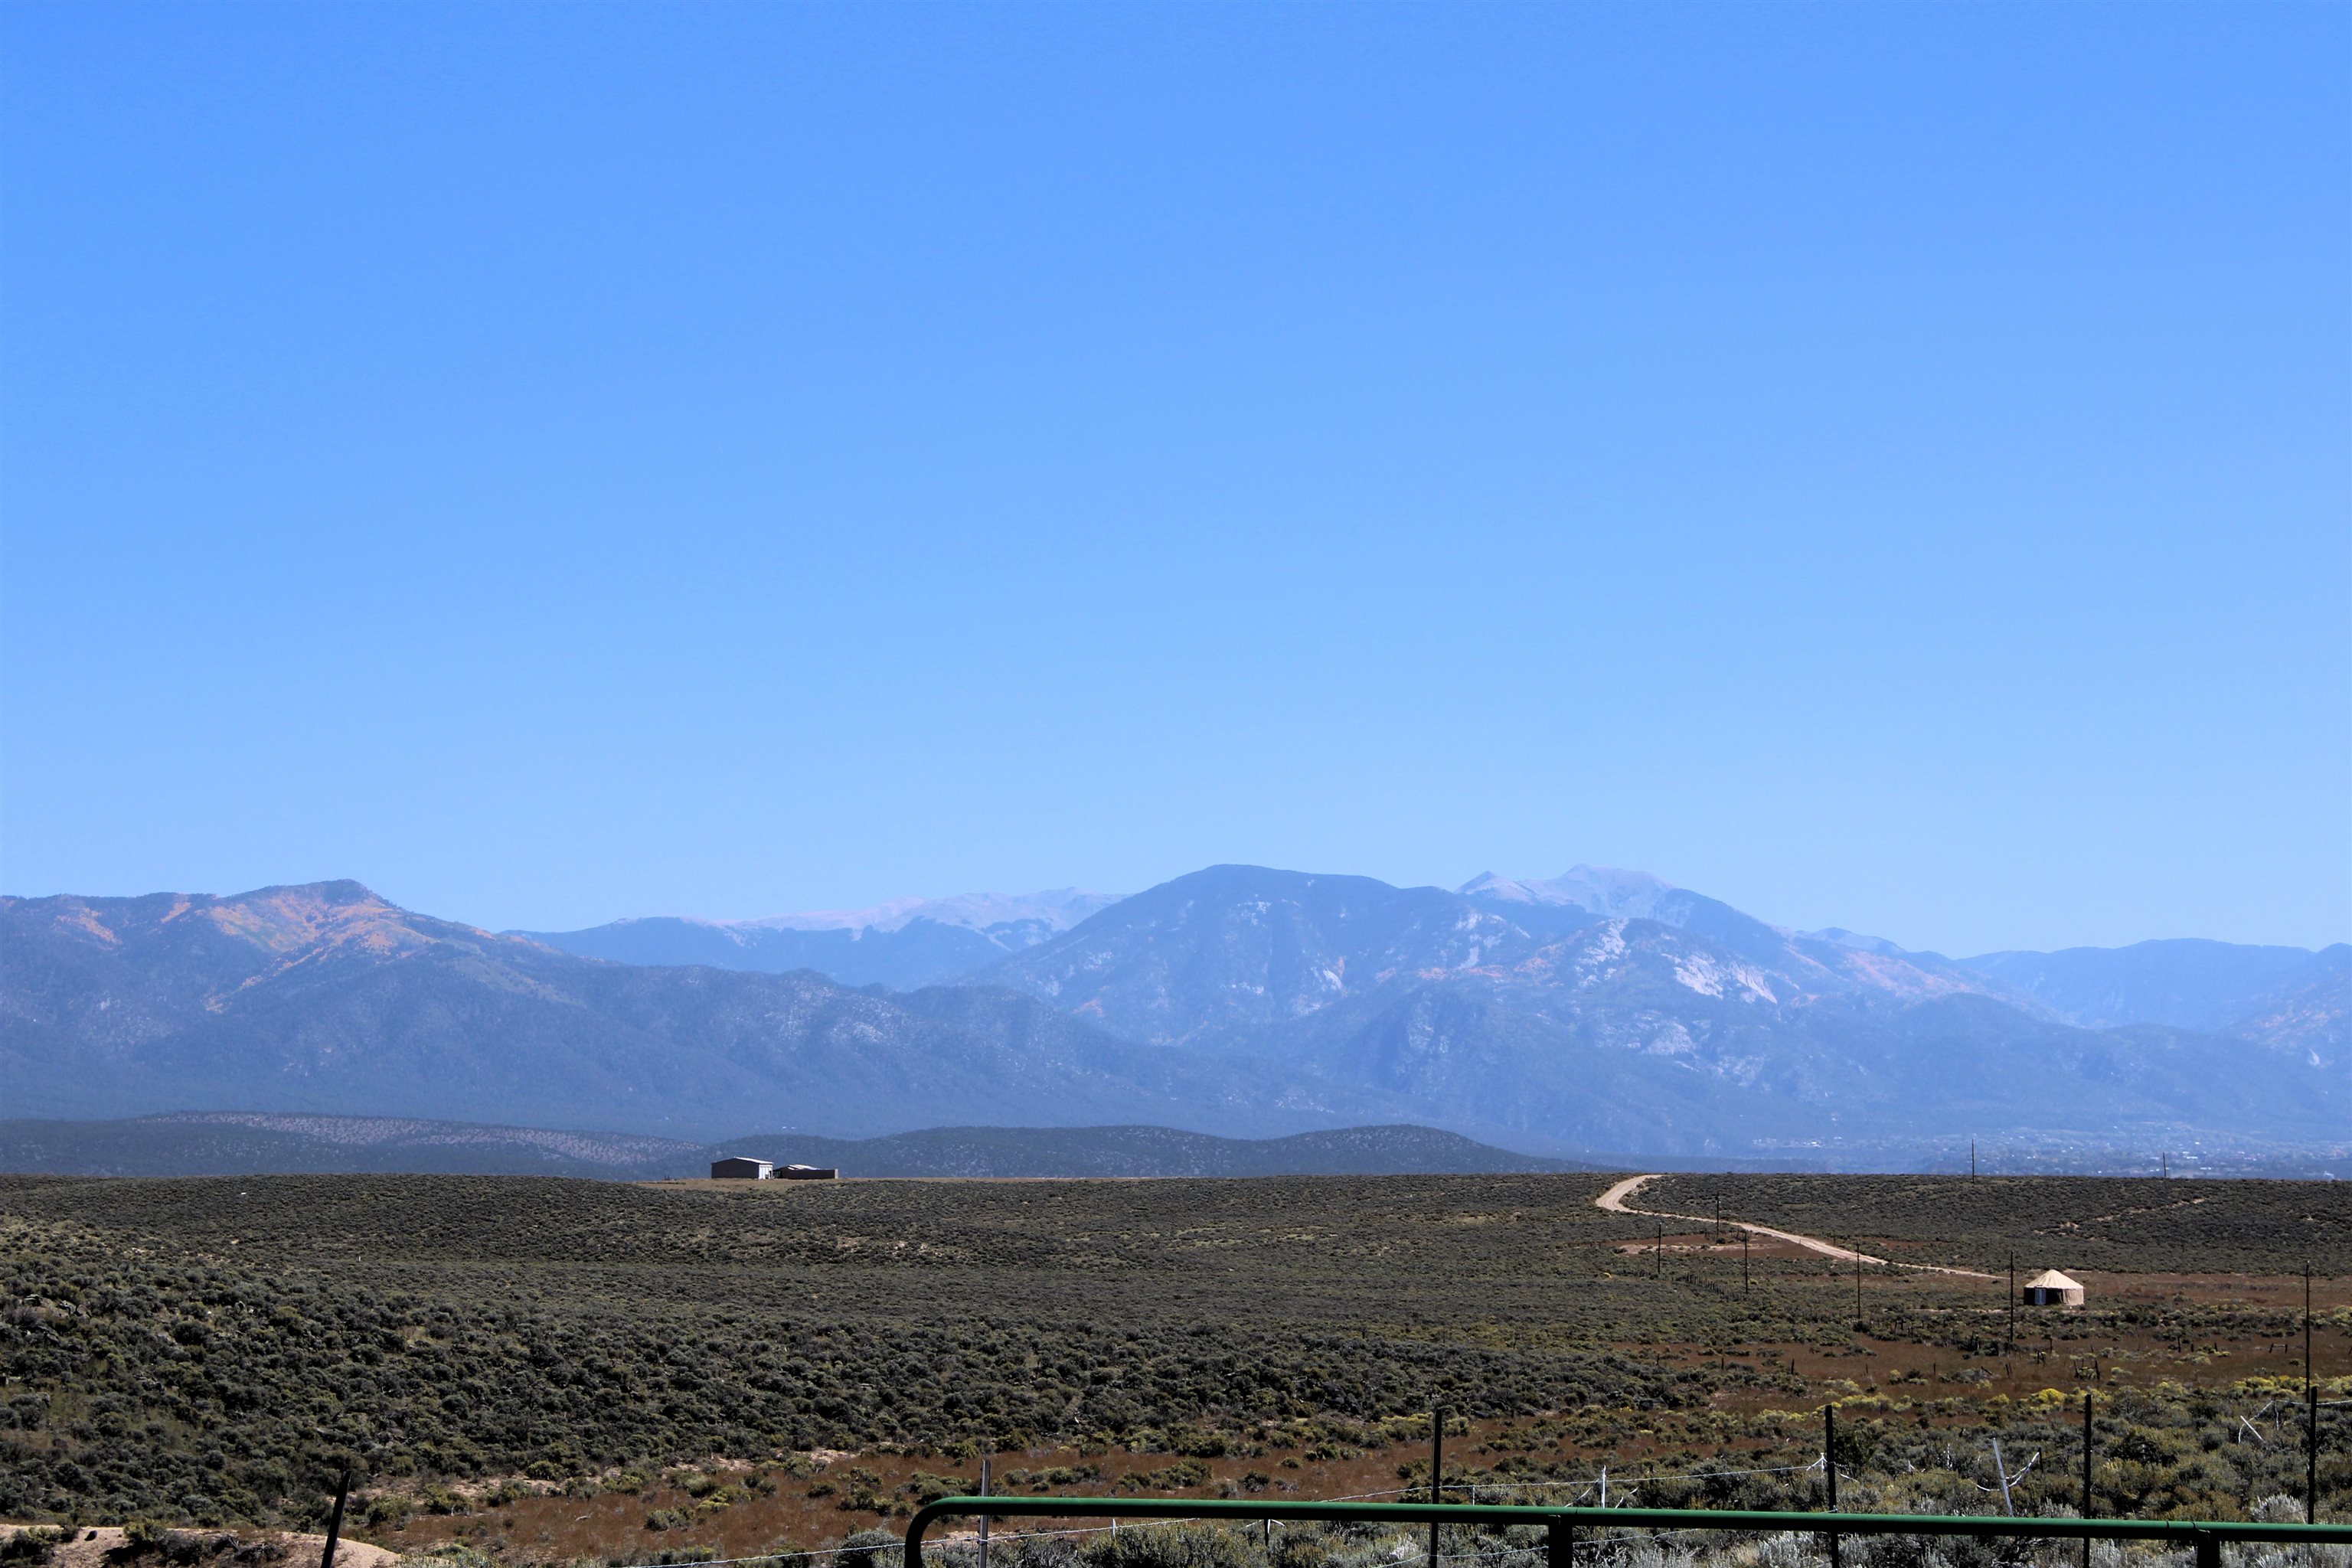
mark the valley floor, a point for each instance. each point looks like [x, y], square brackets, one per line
[530, 1370]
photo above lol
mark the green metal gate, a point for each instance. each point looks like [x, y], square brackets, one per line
[1562, 1524]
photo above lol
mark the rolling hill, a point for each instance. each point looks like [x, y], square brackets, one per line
[199, 1143]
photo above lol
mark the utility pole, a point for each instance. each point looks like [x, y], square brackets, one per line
[1436, 1471]
[2311, 1462]
[2012, 1302]
[983, 1517]
[1972, 1158]
[1743, 1259]
[1857, 1285]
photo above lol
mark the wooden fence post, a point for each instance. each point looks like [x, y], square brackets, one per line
[335, 1520]
[1829, 1468]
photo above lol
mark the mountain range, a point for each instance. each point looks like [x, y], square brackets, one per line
[325, 998]
[1595, 1010]
[2217, 987]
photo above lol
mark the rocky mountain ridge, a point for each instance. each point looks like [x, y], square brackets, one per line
[325, 998]
[904, 945]
[1665, 1032]
[2216, 987]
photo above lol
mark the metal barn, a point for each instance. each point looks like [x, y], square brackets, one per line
[737, 1167]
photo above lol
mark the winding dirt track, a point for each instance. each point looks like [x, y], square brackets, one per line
[1616, 1199]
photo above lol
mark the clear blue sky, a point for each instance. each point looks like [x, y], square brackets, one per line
[1882, 466]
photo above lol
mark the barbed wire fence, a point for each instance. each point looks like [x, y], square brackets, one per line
[1611, 1484]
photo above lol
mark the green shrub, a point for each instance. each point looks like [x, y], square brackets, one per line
[869, 1549]
[31, 1548]
[1300, 1549]
[1172, 1546]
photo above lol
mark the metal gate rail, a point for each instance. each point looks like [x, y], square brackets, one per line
[1561, 1524]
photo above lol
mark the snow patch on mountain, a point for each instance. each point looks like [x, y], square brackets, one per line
[1056, 909]
[1671, 1040]
[1703, 974]
[1604, 890]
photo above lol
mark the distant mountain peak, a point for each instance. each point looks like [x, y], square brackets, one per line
[1605, 890]
[334, 892]
[905, 944]
[1055, 908]
[287, 921]
[1840, 937]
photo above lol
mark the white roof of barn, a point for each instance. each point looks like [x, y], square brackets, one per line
[2050, 1280]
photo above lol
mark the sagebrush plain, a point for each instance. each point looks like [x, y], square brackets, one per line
[542, 1370]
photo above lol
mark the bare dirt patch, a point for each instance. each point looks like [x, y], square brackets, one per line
[106, 1546]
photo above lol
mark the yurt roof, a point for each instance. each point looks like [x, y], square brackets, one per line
[2050, 1280]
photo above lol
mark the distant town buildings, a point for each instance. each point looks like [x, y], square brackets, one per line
[743, 1168]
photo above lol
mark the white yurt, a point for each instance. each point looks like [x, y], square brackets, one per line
[2052, 1289]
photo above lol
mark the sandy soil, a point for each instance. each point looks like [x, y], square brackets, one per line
[90, 1546]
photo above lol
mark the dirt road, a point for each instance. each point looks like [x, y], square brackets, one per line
[1616, 1199]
